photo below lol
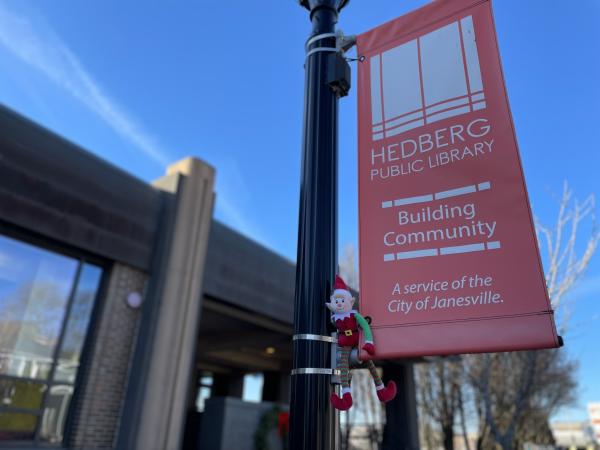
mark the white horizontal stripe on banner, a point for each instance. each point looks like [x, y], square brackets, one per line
[417, 254]
[446, 114]
[411, 200]
[403, 128]
[404, 119]
[448, 104]
[461, 249]
[454, 192]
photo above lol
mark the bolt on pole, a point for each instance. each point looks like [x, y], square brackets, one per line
[313, 421]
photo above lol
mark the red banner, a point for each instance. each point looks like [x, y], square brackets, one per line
[448, 257]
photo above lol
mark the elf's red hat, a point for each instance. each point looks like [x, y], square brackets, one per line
[340, 284]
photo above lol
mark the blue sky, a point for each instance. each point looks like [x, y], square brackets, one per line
[143, 84]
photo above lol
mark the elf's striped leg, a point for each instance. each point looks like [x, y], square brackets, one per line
[375, 374]
[345, 402]
[384, 393]
[344, 367]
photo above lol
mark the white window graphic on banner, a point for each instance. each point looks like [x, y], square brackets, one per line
[430, 78]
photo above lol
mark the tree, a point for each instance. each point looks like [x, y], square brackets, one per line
[514, 394]
[348, 266]
[365, 419]
[564, 266]
[517, 390]
[440, 388]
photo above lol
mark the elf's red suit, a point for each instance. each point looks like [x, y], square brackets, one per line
[347, 331]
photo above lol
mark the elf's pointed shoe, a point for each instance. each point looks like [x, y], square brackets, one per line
[387, 393]
[342, 403]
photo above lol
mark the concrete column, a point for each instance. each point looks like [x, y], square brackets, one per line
[401, 430]
[162, 416]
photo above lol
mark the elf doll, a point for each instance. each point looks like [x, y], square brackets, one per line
[347, 321]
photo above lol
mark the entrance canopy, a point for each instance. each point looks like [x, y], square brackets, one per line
[247, 310]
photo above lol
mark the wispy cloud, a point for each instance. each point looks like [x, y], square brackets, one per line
[234, 203]
[35, 43]
[4, 260]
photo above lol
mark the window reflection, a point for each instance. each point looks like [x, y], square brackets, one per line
[34, 288]
[17, 426]
[77, 324]
[21, 393]
[46, 302]
[55, 413]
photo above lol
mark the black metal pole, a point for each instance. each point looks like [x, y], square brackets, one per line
[311, 415]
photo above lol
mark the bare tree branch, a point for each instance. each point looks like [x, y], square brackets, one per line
[564, 266]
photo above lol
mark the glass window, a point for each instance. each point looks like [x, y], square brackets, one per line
[55, 413]
[253, 384]
[46, 302]
[79, 318]
[34, 288]
[20, 393]
[17, 426]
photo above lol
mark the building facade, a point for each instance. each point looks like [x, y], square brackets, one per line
[128, 316]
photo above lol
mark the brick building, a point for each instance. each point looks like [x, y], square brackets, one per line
[128, 316]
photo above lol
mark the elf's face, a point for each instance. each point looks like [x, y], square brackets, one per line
[340, 303]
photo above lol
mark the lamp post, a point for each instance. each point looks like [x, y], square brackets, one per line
[312, 419]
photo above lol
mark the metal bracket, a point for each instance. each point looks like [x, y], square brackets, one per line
[318, 37]
[344, 43]
[314, 337]
[322, 49]
[335, 357]
[354, 362]
[315, 371]
[333, 371]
